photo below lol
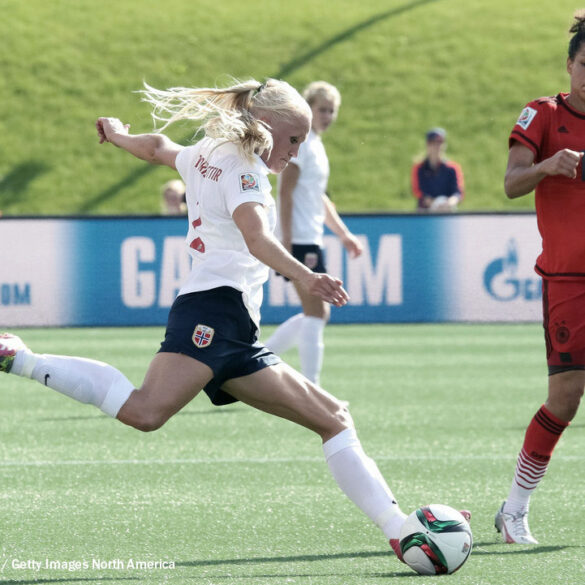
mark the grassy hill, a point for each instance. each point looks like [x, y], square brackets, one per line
[402, 66]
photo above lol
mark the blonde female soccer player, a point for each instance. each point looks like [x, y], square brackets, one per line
[304, 208]
[251, 129]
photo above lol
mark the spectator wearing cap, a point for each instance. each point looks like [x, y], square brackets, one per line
[173, 200]
[437, 183]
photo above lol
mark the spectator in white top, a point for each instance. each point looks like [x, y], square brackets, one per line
[304, 208]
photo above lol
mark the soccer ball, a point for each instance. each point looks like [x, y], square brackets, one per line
[435, 539]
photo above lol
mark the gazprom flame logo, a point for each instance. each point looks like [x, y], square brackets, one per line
[501, 280]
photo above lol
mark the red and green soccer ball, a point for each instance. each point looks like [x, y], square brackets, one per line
[435, 539]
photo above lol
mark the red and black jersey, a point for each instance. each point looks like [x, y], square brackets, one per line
[545, 126]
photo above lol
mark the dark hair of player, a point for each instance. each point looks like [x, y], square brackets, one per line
[578, 31]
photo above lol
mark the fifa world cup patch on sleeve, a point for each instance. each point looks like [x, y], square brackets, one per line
[249, 182]
[202, 336]
[526, 117]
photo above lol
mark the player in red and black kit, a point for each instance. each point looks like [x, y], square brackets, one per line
[546, 151]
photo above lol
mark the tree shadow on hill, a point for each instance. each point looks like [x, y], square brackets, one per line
[128, 180]
[16, 182]
[298, 62]
[284, 71]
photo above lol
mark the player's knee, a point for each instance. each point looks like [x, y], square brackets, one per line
[318, 310]
[147, 422]
[340, 418]
[343, 414]
[325, 312]
[565, 396]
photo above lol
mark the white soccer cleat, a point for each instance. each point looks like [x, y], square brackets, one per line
[10, 345]
[514, 527]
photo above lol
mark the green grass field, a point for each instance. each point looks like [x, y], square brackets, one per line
[235, 497]
[402, 66]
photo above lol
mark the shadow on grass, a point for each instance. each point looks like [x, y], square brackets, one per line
[71, 579]
[16, 182]
[99, 416]
[282, 576]
[302, 60]
[108, 193]
[479, 549]
[401, 570]
[290, 559]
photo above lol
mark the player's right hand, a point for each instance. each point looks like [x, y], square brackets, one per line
[564, 162]
[107, 127]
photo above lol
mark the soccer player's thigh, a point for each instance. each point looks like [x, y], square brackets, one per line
[564, 314]
[564, 311]
[171, 382]
[284, 392]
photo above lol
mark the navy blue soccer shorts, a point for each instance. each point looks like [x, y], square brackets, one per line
[215, 328]
[311, 255]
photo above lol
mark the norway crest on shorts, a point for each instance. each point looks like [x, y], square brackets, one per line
[202, 336]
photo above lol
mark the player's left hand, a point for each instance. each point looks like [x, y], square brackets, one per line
[326, 287]
[352, 245]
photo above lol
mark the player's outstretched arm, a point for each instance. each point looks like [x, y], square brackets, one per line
[156, 149]
[251, 220]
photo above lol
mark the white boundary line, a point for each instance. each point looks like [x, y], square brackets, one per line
[265, 461]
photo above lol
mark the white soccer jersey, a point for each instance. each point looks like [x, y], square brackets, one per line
[218, 180]
[308, 215]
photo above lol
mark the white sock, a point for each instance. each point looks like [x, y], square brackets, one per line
[286, 335]
[515, 504]
[518, 500]
[84, 380]
[311, 347]
[360, 479]
[529, 471]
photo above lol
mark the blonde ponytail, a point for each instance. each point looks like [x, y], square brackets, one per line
[232, 113]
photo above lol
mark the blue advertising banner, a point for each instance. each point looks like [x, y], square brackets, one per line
[127, 271]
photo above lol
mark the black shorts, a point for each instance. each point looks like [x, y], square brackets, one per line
[215, 328]
[563, 304]
[311, 255]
